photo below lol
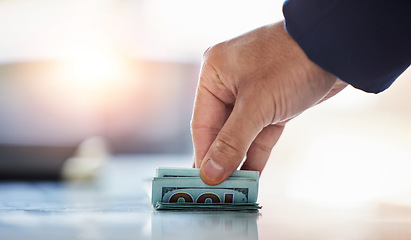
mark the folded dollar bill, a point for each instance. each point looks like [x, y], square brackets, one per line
[183, 189]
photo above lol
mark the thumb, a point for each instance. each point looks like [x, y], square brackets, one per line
[230, 146]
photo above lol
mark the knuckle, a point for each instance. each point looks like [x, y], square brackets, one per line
[206, 51]
[262, 147]
[228, 148]
[212, 50]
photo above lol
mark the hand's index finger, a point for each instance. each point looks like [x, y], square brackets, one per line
[209, 116]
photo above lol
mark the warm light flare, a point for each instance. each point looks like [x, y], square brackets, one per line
[87, 84]
[94, 71]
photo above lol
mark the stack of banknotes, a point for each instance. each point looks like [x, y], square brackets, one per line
[183, 189]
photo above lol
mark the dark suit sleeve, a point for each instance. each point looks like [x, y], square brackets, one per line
[364, 43]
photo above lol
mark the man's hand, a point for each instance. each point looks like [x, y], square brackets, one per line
[249, 88]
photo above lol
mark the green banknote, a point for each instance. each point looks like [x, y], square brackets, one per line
[183, 189]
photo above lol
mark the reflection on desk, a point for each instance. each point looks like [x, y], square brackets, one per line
[222, 225]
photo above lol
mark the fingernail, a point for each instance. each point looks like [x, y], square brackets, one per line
[212, 170]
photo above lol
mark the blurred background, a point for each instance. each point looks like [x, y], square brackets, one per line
[126, 71]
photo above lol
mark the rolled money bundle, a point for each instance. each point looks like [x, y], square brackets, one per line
[183, 189]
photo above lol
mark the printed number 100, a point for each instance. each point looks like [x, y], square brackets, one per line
[214, 198]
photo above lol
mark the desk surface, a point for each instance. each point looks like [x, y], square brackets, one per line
[117, 206]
